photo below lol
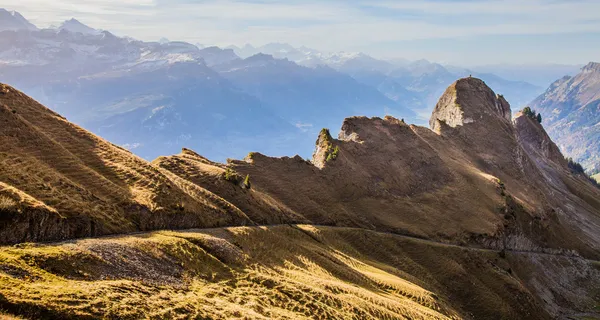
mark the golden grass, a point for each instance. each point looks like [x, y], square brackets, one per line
[283, 272]
[4, 316]
[96, 186]
[7, 203]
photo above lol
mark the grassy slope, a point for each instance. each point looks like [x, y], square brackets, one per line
[278, 271]
[88, 185]
[291, 271]
[597, 177]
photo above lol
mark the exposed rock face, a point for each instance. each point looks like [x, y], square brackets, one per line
[468, 91]
[533, 137]
[323, 148]
[571, 112]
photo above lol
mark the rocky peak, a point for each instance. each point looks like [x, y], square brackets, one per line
[260, 57]
[12, 20]
[215, 55]
[591, 67]
[73, 25]
[322, 148]
[469, 100]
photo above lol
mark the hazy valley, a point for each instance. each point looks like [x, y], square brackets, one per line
[278, 93]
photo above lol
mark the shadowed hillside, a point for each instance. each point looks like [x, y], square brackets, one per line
[59, 181]
[479, 218]
[479, 178]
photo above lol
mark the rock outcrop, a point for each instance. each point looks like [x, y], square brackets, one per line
[468, 92]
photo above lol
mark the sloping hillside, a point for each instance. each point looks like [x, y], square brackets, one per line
[447, 184]
[479, 179]
[479, 218]
[288, 272]
[59, 181]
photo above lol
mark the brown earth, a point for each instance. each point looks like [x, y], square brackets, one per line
[289, 272]
[504, 222]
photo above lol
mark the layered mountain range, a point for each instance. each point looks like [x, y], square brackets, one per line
[478, 217]
[415, 84]
[280, 94]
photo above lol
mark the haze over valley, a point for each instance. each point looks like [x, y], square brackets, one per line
[272, 98]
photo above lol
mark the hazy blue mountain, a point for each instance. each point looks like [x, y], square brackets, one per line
[184, 104]
[215, 55]
[308, 97]
[167, 94]
[413, 85]
[570, 109]
[136, 93]
[73, 25]
[12, 20]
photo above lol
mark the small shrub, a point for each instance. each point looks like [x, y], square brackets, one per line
[230, 175]
[325, 133]
[502, 187]
[575, 166]
[532, 114]
[332, 153]
[247, 182]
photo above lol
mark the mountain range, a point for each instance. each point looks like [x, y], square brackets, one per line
[571, 111]
[416, 84]
[279, 93]
[479, 217]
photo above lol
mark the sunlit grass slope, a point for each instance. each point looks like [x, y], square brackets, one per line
[295, 271]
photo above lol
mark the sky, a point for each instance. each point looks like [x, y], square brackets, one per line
[461, 32]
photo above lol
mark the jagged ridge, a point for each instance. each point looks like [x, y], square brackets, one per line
[488, 182]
